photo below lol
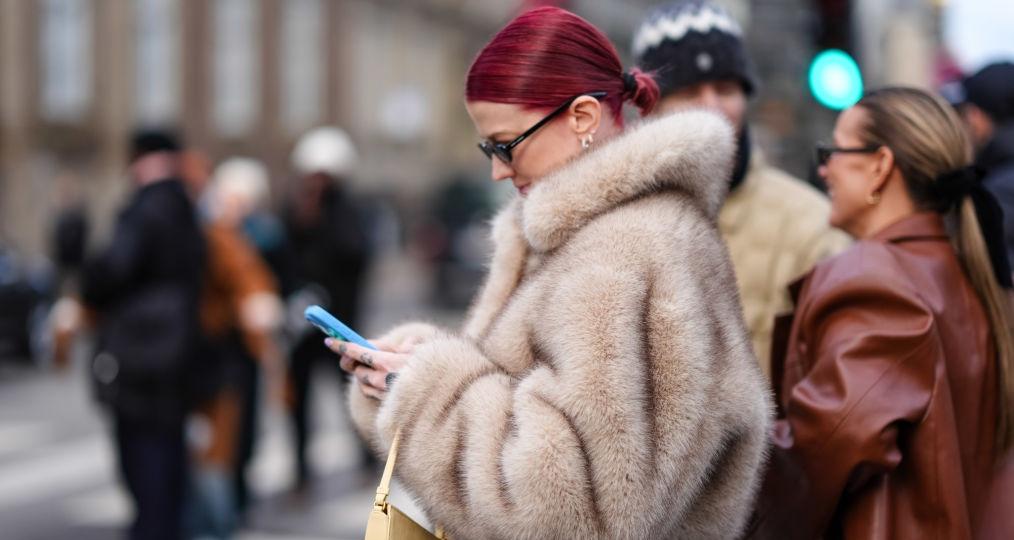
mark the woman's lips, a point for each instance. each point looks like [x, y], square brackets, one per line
[524, 189]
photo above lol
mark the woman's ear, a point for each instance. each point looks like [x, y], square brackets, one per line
[883, 166]
[585, 114]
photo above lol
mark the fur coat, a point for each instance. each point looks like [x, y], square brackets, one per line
[603, 385]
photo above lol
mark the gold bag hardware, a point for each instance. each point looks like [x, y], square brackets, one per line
[387, 522]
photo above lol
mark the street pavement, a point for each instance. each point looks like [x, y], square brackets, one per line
[58, 475]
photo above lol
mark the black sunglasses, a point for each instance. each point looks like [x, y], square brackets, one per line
[503, 150]
[824, 151]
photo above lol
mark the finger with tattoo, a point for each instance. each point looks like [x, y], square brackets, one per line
[367, 359]
[389, 380]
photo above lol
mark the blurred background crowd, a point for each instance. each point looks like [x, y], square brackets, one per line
[325, 146]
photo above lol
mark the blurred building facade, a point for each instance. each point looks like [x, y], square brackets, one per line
[235, 77]
[247, 77]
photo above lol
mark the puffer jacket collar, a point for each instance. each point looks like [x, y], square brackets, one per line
[691, 152]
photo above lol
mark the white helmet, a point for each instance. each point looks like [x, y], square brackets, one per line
[326, 150]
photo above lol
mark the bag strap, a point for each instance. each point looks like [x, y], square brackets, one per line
[384, 489]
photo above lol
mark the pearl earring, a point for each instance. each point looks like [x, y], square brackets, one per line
[586, 142]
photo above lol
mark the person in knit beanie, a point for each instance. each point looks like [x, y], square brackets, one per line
[776, 226]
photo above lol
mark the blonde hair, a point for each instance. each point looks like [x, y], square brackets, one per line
[928, 140]
[243, 178]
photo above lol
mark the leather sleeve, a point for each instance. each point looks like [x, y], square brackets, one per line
[866, 351]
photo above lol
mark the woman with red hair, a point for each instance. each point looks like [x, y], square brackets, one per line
[603, 384]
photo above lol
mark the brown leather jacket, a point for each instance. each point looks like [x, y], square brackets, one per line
[887, 394]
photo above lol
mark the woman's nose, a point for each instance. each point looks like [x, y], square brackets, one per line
[822, 171]
[708, 98]
[501, 170]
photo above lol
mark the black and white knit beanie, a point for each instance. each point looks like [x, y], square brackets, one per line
[692, 42]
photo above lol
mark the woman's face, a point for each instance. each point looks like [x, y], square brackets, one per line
[850, 176]
[725, 96]
[551, 146]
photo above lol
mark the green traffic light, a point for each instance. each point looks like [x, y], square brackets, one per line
[835, 79]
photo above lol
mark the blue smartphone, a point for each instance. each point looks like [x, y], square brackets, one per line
[331, 326]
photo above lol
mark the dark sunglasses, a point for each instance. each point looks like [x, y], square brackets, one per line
[503, 150]
[823, 151]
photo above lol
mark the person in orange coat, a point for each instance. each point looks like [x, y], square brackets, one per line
[895, 383]
[240, 313]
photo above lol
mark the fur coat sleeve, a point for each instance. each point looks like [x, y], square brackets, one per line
[603, 386]
[402, 338]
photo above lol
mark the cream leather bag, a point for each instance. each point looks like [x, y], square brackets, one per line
[387, 522]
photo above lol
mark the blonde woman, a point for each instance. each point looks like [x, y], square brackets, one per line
[895, 386]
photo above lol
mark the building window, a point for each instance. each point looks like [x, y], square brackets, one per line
[236, 65]
[302, 66]
[66, 59]
[157, 82]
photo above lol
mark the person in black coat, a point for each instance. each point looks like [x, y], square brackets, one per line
[328, 257]
[986, 104]
[144, 287]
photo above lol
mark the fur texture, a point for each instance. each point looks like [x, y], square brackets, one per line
[603, 385]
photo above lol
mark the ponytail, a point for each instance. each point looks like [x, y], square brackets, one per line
[975, 257]
[640, 89]
[933, 152]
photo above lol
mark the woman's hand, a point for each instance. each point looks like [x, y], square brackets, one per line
[374, 371]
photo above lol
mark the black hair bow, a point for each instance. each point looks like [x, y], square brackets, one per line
[952, 187]
[629, 82]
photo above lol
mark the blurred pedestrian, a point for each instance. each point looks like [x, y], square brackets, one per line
[328, 242]
[70, 231]
[896, 382]
[987, 107]
[67, 318]
[454, 237]
[249, 182]
[776, 226]
[144, 288]
[603, 384]
[240, 316]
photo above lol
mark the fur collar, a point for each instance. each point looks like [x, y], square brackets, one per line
[689, 151]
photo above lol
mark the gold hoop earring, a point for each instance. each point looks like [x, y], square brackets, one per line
[873, 199]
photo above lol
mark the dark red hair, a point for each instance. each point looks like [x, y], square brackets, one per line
[547, 55]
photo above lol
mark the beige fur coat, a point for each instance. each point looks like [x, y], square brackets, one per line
[603, 385]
